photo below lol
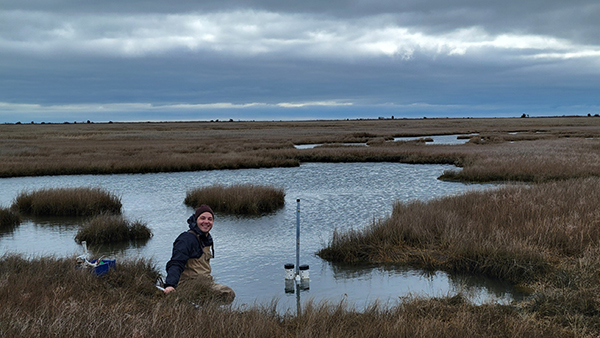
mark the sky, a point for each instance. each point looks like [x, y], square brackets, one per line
[109, 60]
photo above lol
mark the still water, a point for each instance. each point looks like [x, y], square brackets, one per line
[435, 139]
[439, 139]
[250, 252]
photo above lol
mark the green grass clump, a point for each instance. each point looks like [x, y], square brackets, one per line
[108, 228]
[240, 199]
[67, 202]
[8, 219]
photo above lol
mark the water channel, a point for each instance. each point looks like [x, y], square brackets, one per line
[251, 252]
[434, 139]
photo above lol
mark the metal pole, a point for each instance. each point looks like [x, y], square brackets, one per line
[297, 237]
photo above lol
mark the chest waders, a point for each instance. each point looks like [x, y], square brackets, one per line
[198, 266]
[201, 266]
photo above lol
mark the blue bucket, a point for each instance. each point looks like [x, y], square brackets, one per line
[104, 266]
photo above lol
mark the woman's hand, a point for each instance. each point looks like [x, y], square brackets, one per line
[169, 289]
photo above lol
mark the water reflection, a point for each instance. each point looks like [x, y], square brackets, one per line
[119, 249]
[298, 289]
[318, 145]
[433, 139]
[250, 252]
[476, 288]
[480, 289]
[8, 230]
[57, 222]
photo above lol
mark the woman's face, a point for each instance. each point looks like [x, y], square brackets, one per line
[205, 221]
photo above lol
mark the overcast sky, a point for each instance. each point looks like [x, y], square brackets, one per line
[63, 60]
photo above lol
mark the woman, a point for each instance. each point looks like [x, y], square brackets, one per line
[192, 252]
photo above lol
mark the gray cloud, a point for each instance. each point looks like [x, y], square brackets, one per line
[295, 57]
[571, 18]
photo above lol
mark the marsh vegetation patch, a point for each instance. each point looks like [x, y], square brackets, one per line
[107, 228]
[48, 297]
[238, 199]
[82, 201]
[517, 233]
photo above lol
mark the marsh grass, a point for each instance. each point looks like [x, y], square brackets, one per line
[199, 292]
[547, 146]
[530, 161]
[239, 199]
[67, 202]
[515, 233]
[569, 296]
[545, 237]
[8, 219]
[48, 297]
[108, 228]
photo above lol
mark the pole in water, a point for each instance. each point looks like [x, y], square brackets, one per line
[297, 236]
[296, 273]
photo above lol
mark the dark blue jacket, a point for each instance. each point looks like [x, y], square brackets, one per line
[187, 245]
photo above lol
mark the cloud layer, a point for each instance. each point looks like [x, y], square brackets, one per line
[265, 57]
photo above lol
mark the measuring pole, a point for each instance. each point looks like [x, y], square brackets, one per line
[297, 236]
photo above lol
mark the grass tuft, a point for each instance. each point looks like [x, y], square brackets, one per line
[108, 228]
[200, 291]
[67, 202]
[240, 199]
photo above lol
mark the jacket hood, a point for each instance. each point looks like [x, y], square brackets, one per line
[194, 226]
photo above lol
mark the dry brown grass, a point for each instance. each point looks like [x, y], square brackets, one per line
[240, 199]
[544, 236]
[48, 297]
[178, 146]
[530, 161]
[67, 202]
[517, 233]
[107, 228]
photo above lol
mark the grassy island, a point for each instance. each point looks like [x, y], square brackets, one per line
[67, 202]
[108, 228]
[239, 199]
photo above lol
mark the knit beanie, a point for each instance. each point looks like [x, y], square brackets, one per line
[202, 209]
